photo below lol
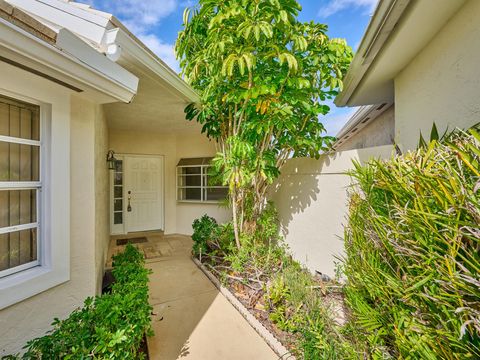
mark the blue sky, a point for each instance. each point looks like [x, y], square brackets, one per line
[156, 23]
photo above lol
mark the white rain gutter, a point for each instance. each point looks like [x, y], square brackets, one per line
[120, 44]
[73, 58]
[386, 16]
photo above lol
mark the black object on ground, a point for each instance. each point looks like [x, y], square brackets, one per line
[132, 241]
[107, 282]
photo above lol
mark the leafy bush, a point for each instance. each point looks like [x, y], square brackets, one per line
[204, 229]
[262, 247]
[297, 306]
[267, 229]
[111, 326]
[413, 252]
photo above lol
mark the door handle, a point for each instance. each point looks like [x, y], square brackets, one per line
[129, 206]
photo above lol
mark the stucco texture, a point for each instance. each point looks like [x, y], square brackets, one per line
[442, 83]
[102, 209]
[311, 197]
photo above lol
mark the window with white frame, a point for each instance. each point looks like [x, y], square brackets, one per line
[194, 183]
[20, 185]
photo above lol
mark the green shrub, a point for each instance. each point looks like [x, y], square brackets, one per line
[111, 326]
[413, 252]
[323, 339]
[296, 306]
[204, 230]
[267, 229]
[262, 247]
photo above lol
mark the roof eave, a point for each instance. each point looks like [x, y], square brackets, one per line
[122, 42]
[70, 58]
[364, 116]
[386, 16]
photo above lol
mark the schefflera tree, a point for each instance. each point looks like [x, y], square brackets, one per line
[263, 78]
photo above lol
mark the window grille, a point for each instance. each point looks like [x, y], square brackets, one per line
[195, 182]
[20, 185]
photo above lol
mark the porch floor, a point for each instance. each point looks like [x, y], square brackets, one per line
[191, 320]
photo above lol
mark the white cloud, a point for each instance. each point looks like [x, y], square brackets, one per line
[334, 6]
[165, 51]
[143, 12]
[141, 17]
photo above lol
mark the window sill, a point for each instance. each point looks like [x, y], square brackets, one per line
[27, 283]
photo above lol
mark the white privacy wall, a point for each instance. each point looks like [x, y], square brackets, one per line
[312, 202]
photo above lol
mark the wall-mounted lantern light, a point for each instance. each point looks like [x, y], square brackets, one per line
[111, 160]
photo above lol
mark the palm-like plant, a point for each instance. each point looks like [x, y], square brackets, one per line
[263, 77]
[413, 251]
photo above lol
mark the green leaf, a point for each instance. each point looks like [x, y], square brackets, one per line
[256, 31]
[434, 133]
[241, 65]
[186, 15]
[266, 29]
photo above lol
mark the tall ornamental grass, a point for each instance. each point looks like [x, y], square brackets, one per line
[413, 252]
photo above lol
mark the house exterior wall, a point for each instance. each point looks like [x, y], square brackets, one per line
[102, 195]
[380, 131]
[178, 216]
[73, 125]
[82, 180]
[311, 197]
[442, 82]
[187, 212]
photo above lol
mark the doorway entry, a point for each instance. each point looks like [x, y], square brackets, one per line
[137, 191]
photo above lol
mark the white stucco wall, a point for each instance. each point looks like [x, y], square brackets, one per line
[32, 317]
[82, 180]
[102, 198]
[311, 199]
[178, 216]
[380, 131]
[442, 83]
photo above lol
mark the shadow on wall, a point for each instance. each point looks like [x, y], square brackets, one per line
[311, 197]
[303, 191]
[300, 180]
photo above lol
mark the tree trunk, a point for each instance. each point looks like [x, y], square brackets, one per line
[235, 218]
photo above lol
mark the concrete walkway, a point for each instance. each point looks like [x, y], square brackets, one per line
[192, 320]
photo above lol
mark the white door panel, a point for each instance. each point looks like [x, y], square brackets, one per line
[144, 193]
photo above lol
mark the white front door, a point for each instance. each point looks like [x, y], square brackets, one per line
[143, 193]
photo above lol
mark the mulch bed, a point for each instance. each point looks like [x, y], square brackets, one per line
[249, 289]
[255, 303]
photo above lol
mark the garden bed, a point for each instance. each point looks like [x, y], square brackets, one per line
[260, 327]
[301, 311]
[411, 263]
[249, 289]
